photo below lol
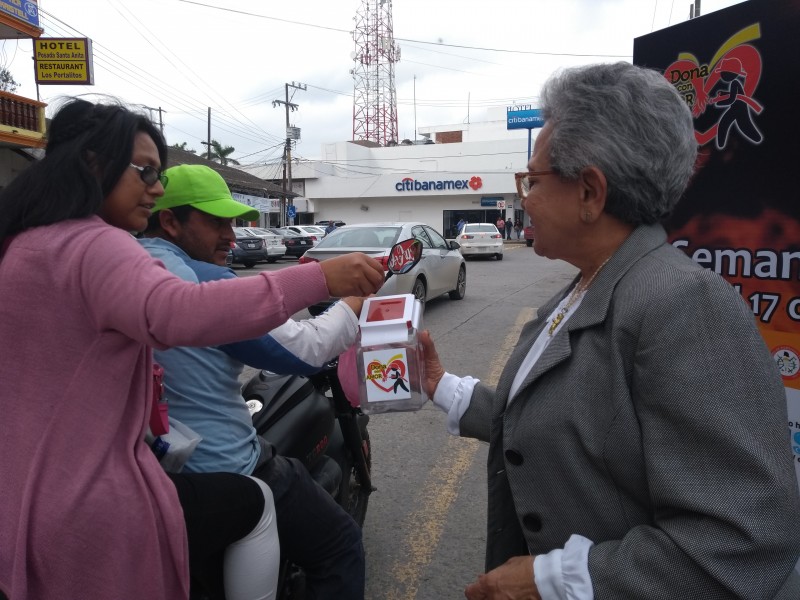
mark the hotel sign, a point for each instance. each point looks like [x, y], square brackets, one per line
[63, 61]
[24, 10]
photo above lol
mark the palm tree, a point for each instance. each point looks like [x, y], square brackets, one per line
[222, 153]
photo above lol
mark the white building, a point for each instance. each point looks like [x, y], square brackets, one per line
[459, 171]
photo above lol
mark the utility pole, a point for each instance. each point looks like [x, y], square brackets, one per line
[160, 119]
[208, 143]
[291, 133]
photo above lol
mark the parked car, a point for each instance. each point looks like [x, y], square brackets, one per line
[249, 249]
[296, 244]
[528, 232]
[481, 239]
[324, 224]
[442, 269]
[273, 243]
[312, 231]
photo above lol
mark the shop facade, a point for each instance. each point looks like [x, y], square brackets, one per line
[460, 172]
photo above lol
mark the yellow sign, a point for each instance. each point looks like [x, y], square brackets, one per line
[64, 61]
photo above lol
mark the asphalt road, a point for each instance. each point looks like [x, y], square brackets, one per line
[425, 529]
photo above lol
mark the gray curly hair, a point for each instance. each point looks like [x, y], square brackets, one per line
[633, 125]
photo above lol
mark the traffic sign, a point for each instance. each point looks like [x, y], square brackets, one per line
[291, 211]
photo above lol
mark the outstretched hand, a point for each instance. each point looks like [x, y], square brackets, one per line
[512, 580]
[434, 371]
[353, 274]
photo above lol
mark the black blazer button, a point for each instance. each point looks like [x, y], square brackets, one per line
[514, 457]
[532, 522]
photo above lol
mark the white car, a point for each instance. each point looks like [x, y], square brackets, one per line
[480, 239]
[273, 243]
[312, 231]
[441, 270]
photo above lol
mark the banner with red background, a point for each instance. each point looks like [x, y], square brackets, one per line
[737, 69]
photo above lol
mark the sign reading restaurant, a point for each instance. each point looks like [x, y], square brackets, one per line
[63, 61]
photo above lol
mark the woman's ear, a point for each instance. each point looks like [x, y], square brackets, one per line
[594, 189]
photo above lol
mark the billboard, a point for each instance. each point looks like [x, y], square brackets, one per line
[63, 61]
[523, 117]
[736, 68]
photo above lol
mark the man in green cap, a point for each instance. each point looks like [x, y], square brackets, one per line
[190, 232]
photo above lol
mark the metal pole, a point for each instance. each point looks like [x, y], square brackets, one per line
[288, 158]
[209, 133]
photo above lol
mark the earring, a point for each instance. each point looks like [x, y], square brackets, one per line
[587, 216]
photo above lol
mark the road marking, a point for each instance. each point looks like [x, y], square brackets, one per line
[441, 487]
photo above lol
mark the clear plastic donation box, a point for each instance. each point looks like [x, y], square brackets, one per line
[388, 355]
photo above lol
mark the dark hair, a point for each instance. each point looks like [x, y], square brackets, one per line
[182, 214]
[89, 147]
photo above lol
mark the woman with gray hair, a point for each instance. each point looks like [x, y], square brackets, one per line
[638, 432]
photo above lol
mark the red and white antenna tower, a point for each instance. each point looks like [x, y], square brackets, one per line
[374, 96]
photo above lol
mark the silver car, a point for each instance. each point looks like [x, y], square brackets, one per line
[442, 269]
[273, 243]
[312, 231]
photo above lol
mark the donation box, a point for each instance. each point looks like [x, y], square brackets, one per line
[389, 358]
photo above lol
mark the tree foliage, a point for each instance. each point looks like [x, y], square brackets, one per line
[182, 146]
[7, 83]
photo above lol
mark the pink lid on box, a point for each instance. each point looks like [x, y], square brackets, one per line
[387, 309]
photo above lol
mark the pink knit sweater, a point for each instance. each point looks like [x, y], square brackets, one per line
[85, 509]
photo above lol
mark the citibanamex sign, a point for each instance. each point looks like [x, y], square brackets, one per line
[409, 184]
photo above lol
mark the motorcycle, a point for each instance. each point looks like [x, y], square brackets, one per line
[311, 419]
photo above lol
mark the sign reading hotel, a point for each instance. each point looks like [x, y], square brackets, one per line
[26, 11]
[63, 61]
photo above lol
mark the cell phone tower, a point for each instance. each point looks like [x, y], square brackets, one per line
[376, 52]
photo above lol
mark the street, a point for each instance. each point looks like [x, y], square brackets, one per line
[424, 533]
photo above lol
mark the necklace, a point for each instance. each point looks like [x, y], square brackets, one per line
[579, 291]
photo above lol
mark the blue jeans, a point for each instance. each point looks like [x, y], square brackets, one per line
[315, 532]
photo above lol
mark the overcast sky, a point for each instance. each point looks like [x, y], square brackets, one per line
[457, 59]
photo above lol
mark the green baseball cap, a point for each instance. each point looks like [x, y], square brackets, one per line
[202, 188]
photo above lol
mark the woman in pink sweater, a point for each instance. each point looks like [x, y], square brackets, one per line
[85, 509]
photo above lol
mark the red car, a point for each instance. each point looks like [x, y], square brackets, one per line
[528, 231]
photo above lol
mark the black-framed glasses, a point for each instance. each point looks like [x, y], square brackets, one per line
[525, 180]
[150, 175]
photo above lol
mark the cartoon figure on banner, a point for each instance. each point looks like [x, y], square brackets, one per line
[738, 109]
[734, 74]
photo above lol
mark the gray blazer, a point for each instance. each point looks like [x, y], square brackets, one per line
[654, 424]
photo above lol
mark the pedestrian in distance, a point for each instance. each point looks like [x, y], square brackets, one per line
[518, 228]
[637, 435]
[87, 510]
[501, 226]
[189, 232]
[509, 228]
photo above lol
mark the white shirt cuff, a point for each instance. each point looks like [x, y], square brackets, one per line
[453, 395]
[564, 574]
